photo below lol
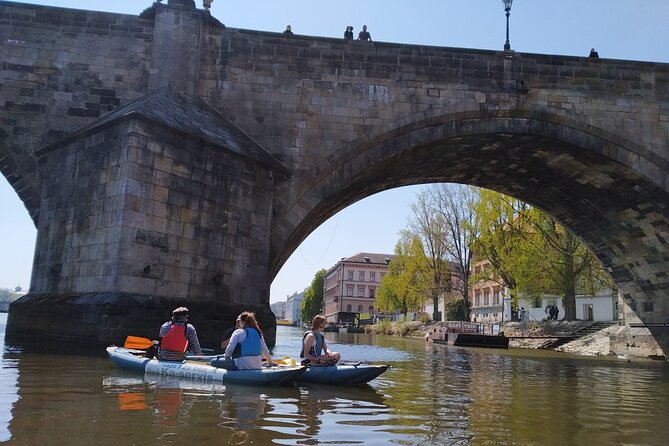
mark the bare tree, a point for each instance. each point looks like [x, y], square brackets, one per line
[429, 226]
[455, 203]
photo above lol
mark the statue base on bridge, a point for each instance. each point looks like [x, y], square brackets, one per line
[101, 319]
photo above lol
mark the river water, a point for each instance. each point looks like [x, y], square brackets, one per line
[432, 395]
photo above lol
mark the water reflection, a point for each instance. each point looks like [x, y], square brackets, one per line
[8, 386]
[294, 414]
[432, 395]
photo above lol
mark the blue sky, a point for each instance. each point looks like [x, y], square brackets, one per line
[618, 29]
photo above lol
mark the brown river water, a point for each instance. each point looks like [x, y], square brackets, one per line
[432, 395]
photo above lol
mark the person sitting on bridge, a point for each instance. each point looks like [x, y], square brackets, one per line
[314, 349]
[247, 346]
[594, 54]
[288, 32]
[176, 336]
[364, 35]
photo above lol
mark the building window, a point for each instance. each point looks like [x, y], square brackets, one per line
[361, 291]
[361, 276]
[496, 296]
[348, 308]
[359, 308]
[477, 299]
[372, 291]
[371, 309]
[349, 290]
[372, 276]
[486, 297]
[350, 275]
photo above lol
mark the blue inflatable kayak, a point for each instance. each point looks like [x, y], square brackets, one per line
[198, 371]
[342, 374]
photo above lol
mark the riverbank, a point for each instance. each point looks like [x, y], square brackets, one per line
[616, 341]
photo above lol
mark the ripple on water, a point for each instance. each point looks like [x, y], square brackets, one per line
[432, 395]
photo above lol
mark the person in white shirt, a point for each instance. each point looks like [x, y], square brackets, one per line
[247, 345]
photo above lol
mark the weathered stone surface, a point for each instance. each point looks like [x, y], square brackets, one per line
[108, 230]
[108, 318]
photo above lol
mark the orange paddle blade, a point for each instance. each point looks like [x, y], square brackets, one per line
[137, 343]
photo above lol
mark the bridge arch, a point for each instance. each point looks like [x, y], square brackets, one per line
[610, 192]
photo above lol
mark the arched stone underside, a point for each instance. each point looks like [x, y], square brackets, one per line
[609, 192]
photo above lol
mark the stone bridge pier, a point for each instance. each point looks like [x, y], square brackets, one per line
[144, 211]
[158, 203]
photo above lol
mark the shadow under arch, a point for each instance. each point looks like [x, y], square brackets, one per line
[612, 193]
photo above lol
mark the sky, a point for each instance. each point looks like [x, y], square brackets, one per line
[618, 29]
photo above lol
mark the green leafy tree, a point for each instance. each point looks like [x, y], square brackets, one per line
[500, 238]
[402, 288]
[5, 295]
[556, 262]
[431, 228]
[530, 252]
[312, 303]
[454, 310]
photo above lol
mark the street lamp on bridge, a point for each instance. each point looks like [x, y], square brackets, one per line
[507, 9]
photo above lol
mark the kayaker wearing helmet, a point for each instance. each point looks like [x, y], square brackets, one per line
[176, 336]
[314, 349]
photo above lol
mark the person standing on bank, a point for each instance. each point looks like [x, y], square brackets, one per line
[364, 35]
[348, 34]
[176, 336]
[314, 349]
[247, 345]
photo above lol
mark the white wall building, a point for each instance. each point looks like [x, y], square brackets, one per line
[599, 308]
[294, 308]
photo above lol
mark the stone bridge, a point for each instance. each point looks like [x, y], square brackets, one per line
[168, 159]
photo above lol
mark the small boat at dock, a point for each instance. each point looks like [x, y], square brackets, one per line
[465, 334]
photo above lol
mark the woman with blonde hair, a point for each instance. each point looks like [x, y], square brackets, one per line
[314, 348]
[247, 345]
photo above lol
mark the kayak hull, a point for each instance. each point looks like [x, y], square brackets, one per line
[342, 374]
[201, 372]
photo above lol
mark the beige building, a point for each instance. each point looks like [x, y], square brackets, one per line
[487, 297]
[350, 286]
